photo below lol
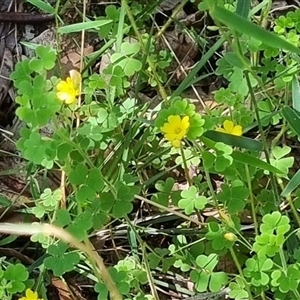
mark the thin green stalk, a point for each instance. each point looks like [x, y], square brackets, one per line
[161, 89]
[263, 296]
[280, 134]
[211, 188]
[170, 20]
[175, 212]
[186, 170]
[149, 275]
[283, 261]
[296, 293]
[291, 203]
[237, 264]
[263, 137]
[248, 178]
[283, 126]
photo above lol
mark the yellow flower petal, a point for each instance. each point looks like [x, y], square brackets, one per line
[185, 122]
[30, 295]
[174, 121]
[166, 128]
[171, 136]
[66, 97]
[228, 126]
[62, 86]
[181, 134]
[237, 130]
[76, 78]
[220, 129]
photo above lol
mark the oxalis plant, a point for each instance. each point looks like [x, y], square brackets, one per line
[103, 142]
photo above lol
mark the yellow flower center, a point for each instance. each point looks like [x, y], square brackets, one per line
[178, 130]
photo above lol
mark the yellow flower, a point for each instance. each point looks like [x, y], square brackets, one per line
[176, 129]
[30, 295]
[228, 127]
[68, 90]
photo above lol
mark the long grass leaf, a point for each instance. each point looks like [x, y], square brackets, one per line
[242, 25]
[292, 117]
[254, 162]
[42, 5]
[83, 26]
[292, 185]
[232, 140]
[187, 82]
[296, 93]
[243, 8]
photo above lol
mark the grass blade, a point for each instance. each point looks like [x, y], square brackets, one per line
[243, 8]
[250, 160]
[187, 82]
[292, 185]
[83, 26]
[242, 25]
[232, 140]
[292, 117]
[42, 5]
[296, 93]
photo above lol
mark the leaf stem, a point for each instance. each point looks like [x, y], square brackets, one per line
[236, 261]
[248, 178]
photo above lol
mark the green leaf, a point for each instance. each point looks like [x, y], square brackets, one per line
[292, 185]
[80, 226]
[121, 208]
[243, 8]
[233, 197]
[16, 275]
[61, 262]
[191, 200]
[16, 272]
[78, 175]
[244, 26]
[83, 26]
[296, 93]
[4, 201]
[95, 180]
[217, 281]
[47, 55]
[234, 60]
[42, 5]
[63, 218]
[188, 80]
[254, 162]
[292, 117]
[206, 278]
[232, 140]
[102, 290]
[280, 152]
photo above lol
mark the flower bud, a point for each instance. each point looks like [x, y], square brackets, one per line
[229, 236]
